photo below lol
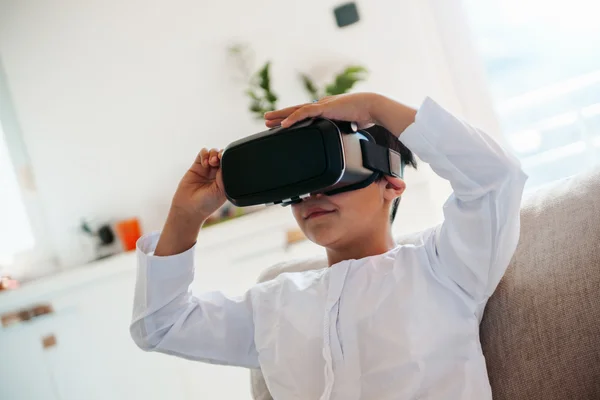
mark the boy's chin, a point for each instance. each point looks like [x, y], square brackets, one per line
[323, 237]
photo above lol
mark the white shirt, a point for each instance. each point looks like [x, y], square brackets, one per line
[400, 325]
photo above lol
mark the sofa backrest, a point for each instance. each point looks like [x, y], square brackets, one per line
[541, 329]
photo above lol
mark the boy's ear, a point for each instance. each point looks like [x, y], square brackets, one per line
[394, 187]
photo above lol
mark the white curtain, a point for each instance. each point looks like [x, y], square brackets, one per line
[15, 229]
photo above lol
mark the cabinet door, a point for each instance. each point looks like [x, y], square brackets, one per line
[131, 374]
[73, 365]
[47, 358]
[23, 370]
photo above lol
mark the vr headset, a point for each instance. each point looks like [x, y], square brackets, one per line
[285, 165]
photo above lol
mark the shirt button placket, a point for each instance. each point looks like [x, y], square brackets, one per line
[337, 278]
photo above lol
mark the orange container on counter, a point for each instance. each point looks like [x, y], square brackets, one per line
[129, 232]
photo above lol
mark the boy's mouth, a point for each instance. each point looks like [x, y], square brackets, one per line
[316, 212]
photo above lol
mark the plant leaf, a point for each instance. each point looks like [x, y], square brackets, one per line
[345, 80]
[271, 97]
[262, 99]
[310, 87]
[264, 77]
[355, 69]
[252, 94]
[256, 106]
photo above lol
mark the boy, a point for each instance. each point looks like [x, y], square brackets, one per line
[383, 321]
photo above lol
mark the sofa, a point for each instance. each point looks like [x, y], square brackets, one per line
[540, 332]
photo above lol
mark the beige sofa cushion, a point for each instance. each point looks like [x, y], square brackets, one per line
[541, 328]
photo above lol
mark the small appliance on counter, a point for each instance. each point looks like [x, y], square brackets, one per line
[103, 237]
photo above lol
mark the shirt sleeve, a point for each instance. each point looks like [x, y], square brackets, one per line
[476, 241]
[167, 318]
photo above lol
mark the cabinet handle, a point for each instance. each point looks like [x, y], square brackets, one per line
[48, 341]
[16, 317]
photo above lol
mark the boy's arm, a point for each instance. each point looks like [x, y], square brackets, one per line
[474, 244]
[167, 318]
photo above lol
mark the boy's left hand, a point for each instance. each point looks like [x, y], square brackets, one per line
[354, 107]
[365, 109]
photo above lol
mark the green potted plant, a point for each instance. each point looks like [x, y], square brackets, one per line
[263, 98]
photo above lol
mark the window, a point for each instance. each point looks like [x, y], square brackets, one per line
[25, 251]
[543, 68]
[15, 229]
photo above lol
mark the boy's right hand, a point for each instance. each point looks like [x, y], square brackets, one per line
[200, 192]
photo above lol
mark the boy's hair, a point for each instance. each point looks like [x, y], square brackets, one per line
[386, 138]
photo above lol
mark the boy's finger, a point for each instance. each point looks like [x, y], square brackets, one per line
[221, 154]
[202, 157]
[309, 111]
[272, 123]
[283, 113]
[213, 158]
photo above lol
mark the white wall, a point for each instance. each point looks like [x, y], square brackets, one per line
[114, 98]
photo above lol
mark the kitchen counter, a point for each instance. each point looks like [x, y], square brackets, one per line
[38, 289]
[252, 235]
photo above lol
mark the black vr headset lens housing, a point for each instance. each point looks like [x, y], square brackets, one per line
[283, 165]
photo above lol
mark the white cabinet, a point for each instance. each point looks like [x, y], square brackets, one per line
[72, 364]
[127, 372]
[89, 353]
[46, 358]
[23, 370]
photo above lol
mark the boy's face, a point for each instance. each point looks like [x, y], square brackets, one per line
[334, 221]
